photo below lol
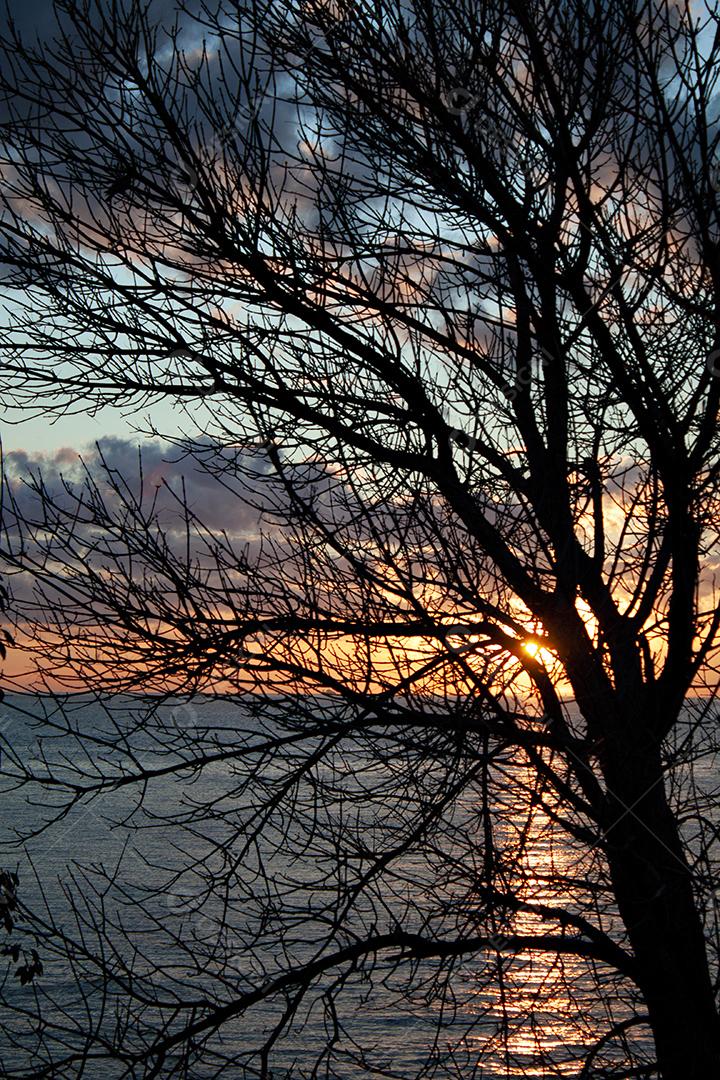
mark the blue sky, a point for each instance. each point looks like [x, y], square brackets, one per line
[43, 434]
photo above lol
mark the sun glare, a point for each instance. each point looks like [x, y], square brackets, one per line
[539, 652]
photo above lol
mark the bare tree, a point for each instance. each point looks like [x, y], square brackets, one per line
[438, 284]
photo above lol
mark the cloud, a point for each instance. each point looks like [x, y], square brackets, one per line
[216, 482]
[37, 19]
[34, 18]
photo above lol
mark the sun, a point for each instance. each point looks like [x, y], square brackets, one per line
[539, 651]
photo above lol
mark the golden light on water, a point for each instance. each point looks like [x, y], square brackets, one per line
[539, 1015]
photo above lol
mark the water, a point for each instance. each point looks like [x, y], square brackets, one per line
[209, 881]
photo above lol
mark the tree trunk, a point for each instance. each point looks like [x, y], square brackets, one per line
[653, 889]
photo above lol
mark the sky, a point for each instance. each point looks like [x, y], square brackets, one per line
[55, 443]
[35, 17]
[43, 435]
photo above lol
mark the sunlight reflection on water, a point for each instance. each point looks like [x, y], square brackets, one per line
[535, 1018]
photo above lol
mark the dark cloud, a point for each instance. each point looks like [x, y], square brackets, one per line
[217, 483]
[38, 18]
[33, 18]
